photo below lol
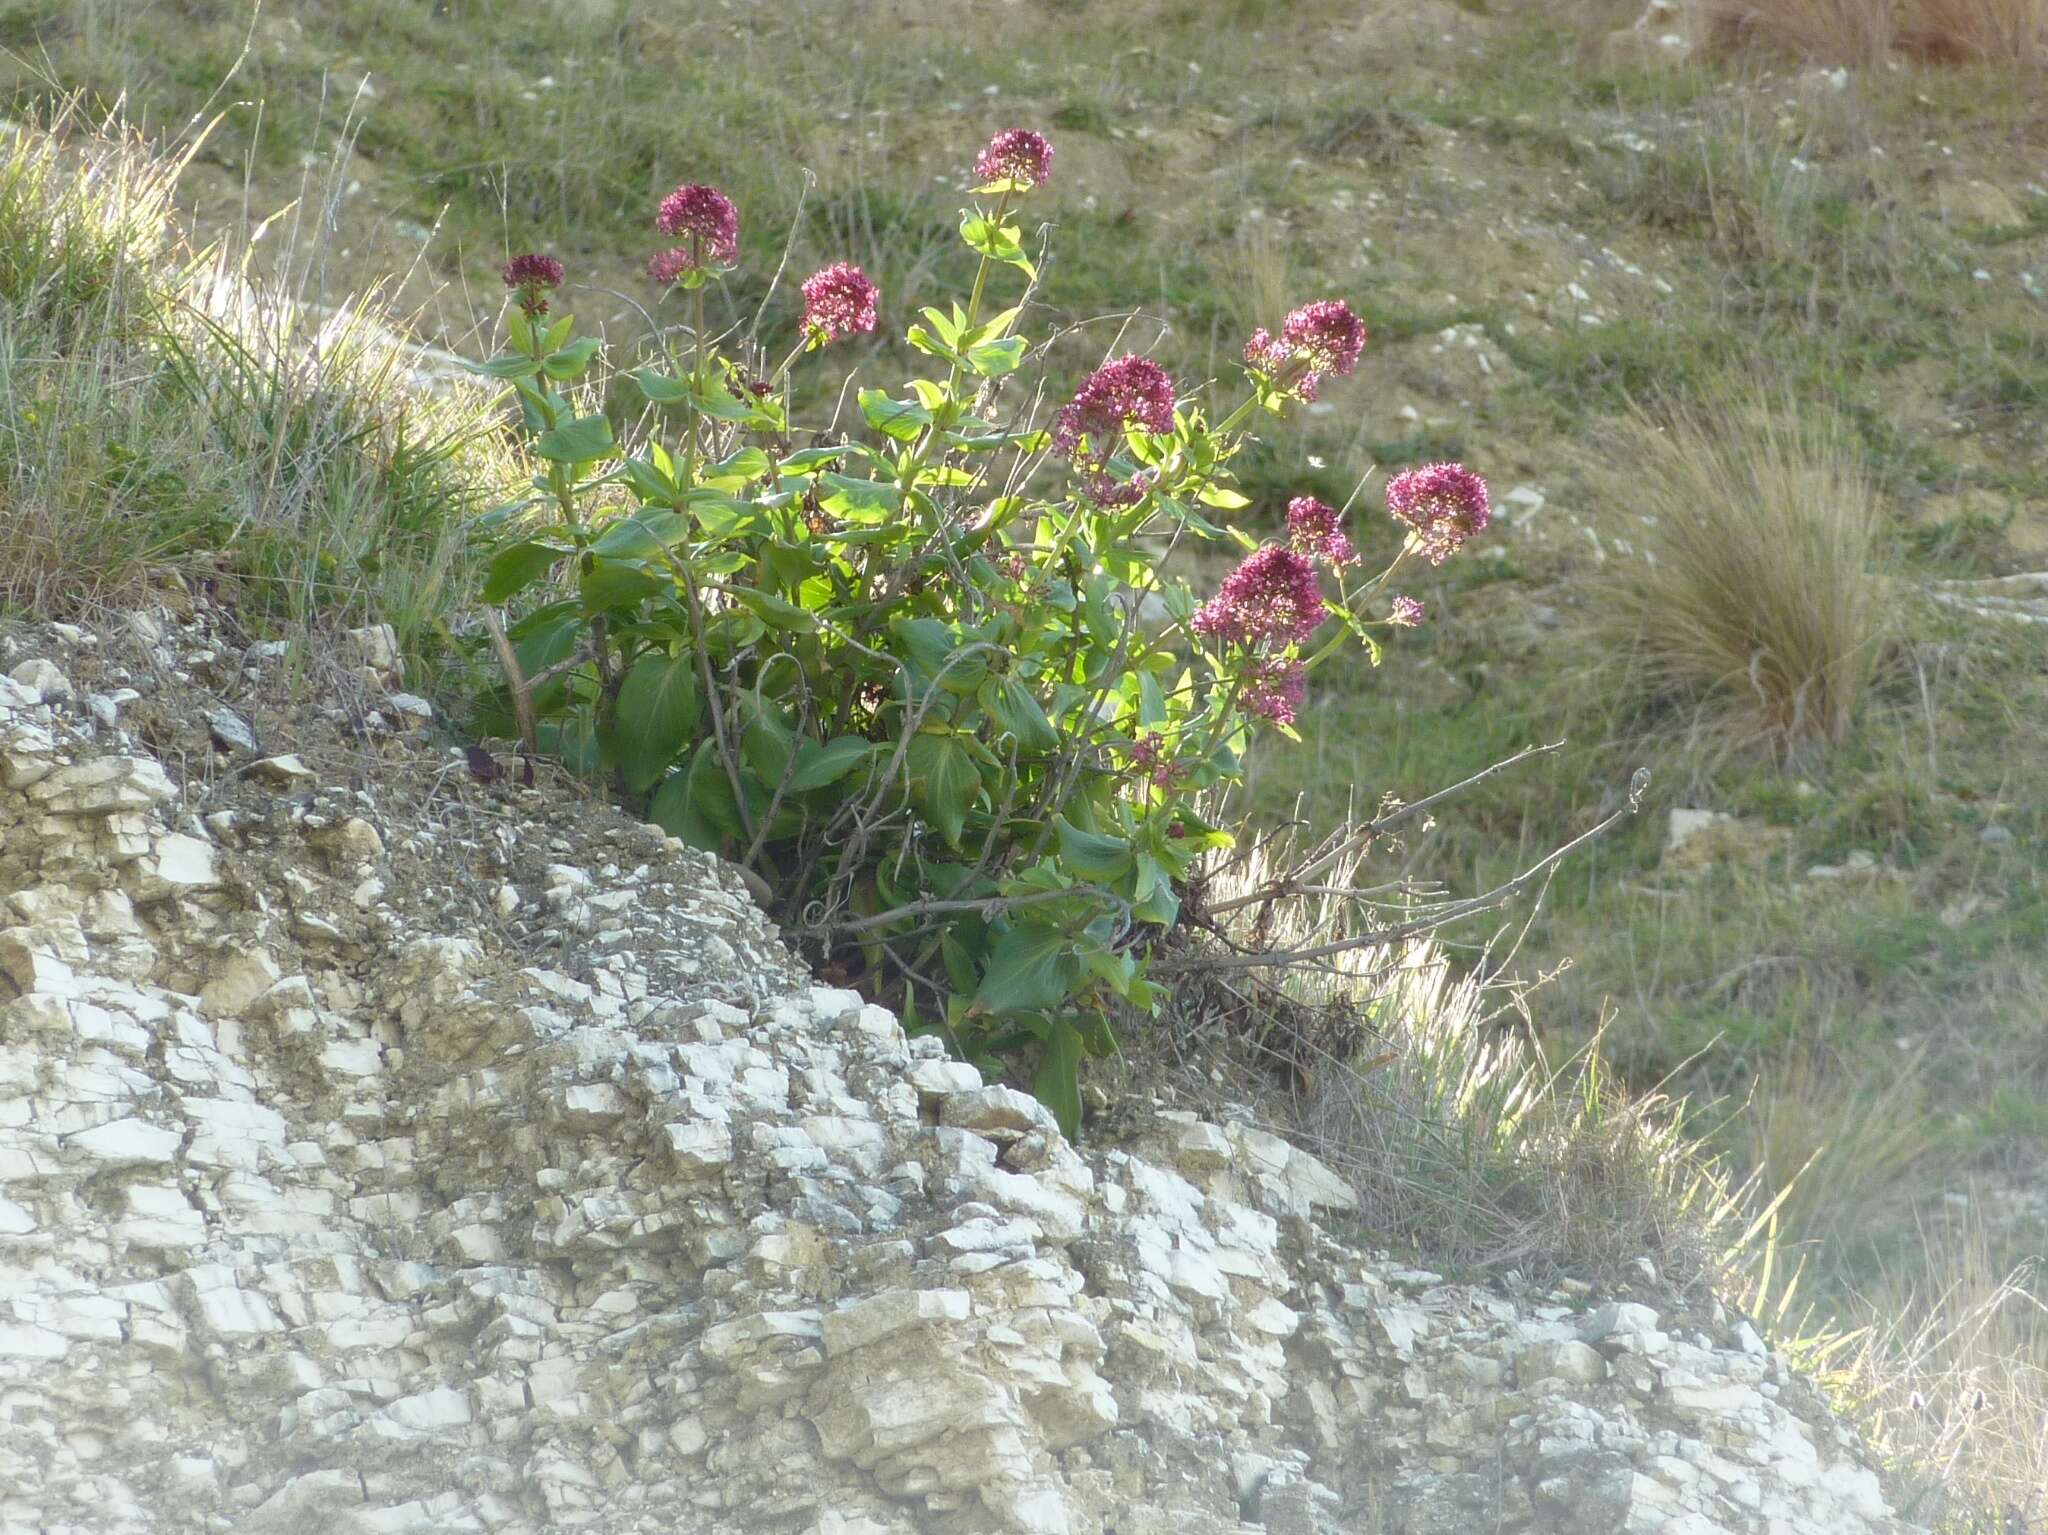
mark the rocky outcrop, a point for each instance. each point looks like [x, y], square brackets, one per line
[386, 1150]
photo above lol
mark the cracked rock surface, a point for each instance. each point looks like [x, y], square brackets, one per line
[382, 1150]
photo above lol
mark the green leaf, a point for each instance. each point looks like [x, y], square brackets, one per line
[607, 585]
[642, 535]
[820, 764]
[774, 611]
[960, 960]
[869, 502]
[931, 645]
[516, 567]
[1151, 700]
[946, 326]
[929, 344]
[1092, 856]
[1015, 708]
[997, 242]
[572, 359]
[1031, 969]
[993, 359]
[943, 782]
[572, 742]
[1058, 1082]
[506, 367]
[698, 805]
[1223, 497]
[558, 332]
[768, 746]
[716, 401]
[899, 419]
[576, 442]
[660, 388]
[673, 811]
[658, 710]
[810, 458]
[735, 472]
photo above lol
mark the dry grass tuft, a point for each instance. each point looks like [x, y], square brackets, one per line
[1415, 1075]
[165, 420]
[1749, 583]
[1952, 1388]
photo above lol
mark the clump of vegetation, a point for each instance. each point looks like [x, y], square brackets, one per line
[1751, 586]
[163, 421]
[935, 684]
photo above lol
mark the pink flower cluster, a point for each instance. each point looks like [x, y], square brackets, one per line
[1273, 688]
[531, 276]
[1273, 598]
[1132, 391]
[1316, 528]
[1148, 756]
[709, 225]
[1406, 613]
[1018, 156]
[1319, 338]
[1442, 505]
[839, 301]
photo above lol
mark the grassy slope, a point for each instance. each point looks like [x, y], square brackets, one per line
[1481, 190]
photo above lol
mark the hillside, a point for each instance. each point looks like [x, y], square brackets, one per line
[1546, 229]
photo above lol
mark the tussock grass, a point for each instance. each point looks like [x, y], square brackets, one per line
[1750, 585]
[164, 420]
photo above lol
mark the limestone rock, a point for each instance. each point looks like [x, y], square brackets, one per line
[586, 1210]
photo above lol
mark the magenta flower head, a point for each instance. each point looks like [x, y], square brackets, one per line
[1441, 505]
[531, 277]
[1132, 391]
[1407, 613]
[1316, 528]
[1271, 599]
[838, 302]
[1016, 160]
[1149, 759]
[707, 223]
[1319, 338]
[1273, 689]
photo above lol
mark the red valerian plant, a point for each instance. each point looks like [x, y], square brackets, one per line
[926, 681]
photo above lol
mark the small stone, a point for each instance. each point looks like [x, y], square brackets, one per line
[1995, 835]
[176, 865]
[354, 841]
[411, 705]
[45, 677]
[230, 732]
[377, 647]
[286, 770]
[237, 982]
[103, 786]
[126, 1142]
[878, 1316]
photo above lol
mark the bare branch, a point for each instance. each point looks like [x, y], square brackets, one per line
[1498, 896]
[1292, 882]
